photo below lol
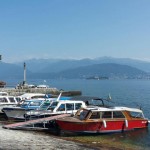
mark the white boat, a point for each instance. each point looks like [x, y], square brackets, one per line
[32, 96]
[4, 94]
[42, 86]
[19, 111]
[55, 108]
[47, 108]
[6, 101]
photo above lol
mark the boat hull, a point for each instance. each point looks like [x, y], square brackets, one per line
[6, 105]
[101, 126]
[15, 113]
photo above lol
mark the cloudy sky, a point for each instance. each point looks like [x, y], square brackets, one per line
[74, 29]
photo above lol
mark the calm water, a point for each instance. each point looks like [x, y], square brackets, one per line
[132, 93]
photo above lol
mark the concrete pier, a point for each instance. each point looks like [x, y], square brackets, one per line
[54, 91]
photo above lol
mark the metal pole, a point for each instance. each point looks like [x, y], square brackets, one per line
[24, 81]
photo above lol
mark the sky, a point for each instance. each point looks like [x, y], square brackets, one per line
[74, 29]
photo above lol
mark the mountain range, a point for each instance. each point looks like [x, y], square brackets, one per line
[72, 68]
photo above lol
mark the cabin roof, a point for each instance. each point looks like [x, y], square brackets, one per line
[114, 109]
[31, 94]
[69, 101]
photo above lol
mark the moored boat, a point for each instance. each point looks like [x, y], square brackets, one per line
[103, 120]
[7, 101]
[52, 108]
[19, 111]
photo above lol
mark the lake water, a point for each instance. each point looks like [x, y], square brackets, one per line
[132, 93]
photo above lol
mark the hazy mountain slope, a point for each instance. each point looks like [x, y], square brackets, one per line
[54, 65]
[74, 68]
[108, 70]
[103, 70]
[142, 65]
[57, 65]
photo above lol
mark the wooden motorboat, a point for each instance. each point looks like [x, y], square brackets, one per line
[103, 120]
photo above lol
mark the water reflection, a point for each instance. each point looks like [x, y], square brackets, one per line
[139, 137]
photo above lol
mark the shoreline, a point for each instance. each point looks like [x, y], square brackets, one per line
[31, 140]
[37, 140]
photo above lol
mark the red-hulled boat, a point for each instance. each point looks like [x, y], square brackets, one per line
[103, 120]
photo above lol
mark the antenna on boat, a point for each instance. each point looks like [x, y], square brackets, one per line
[109, 97]
[139, 106]
[59, 96]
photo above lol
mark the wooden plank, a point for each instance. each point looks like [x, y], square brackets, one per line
[30, 122]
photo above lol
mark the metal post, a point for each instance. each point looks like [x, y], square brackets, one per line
[24, 81]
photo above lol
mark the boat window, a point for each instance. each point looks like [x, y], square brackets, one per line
[118, 114]
[12, 100]
[18, 99]
[70, 106]
[136, 115]
[35, 103]
[3, 93]
[83, 114]
[95, 115]
[78, 106]
[25, 104]
[61, 107]
[96, 102]
[38, 96]
[53, 105]
[107, 114]
[3, 100]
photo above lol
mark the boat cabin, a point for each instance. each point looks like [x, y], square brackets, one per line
[7, 101]
[4, 100]
[50, 108]
[109, 113]
[28, 96]
[4, 94]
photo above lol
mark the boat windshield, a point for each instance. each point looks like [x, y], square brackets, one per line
[25, 104]
[96, 102]
[83, 114]
[52, 106]
[32, 103]
[45, 105]
[136, 115]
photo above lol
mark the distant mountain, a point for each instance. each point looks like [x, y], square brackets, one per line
[54, 65]
[142, 65]
[102, 70]
[71, 68]
[57, 65]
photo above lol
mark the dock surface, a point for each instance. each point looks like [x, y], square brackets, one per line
[32, 122]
